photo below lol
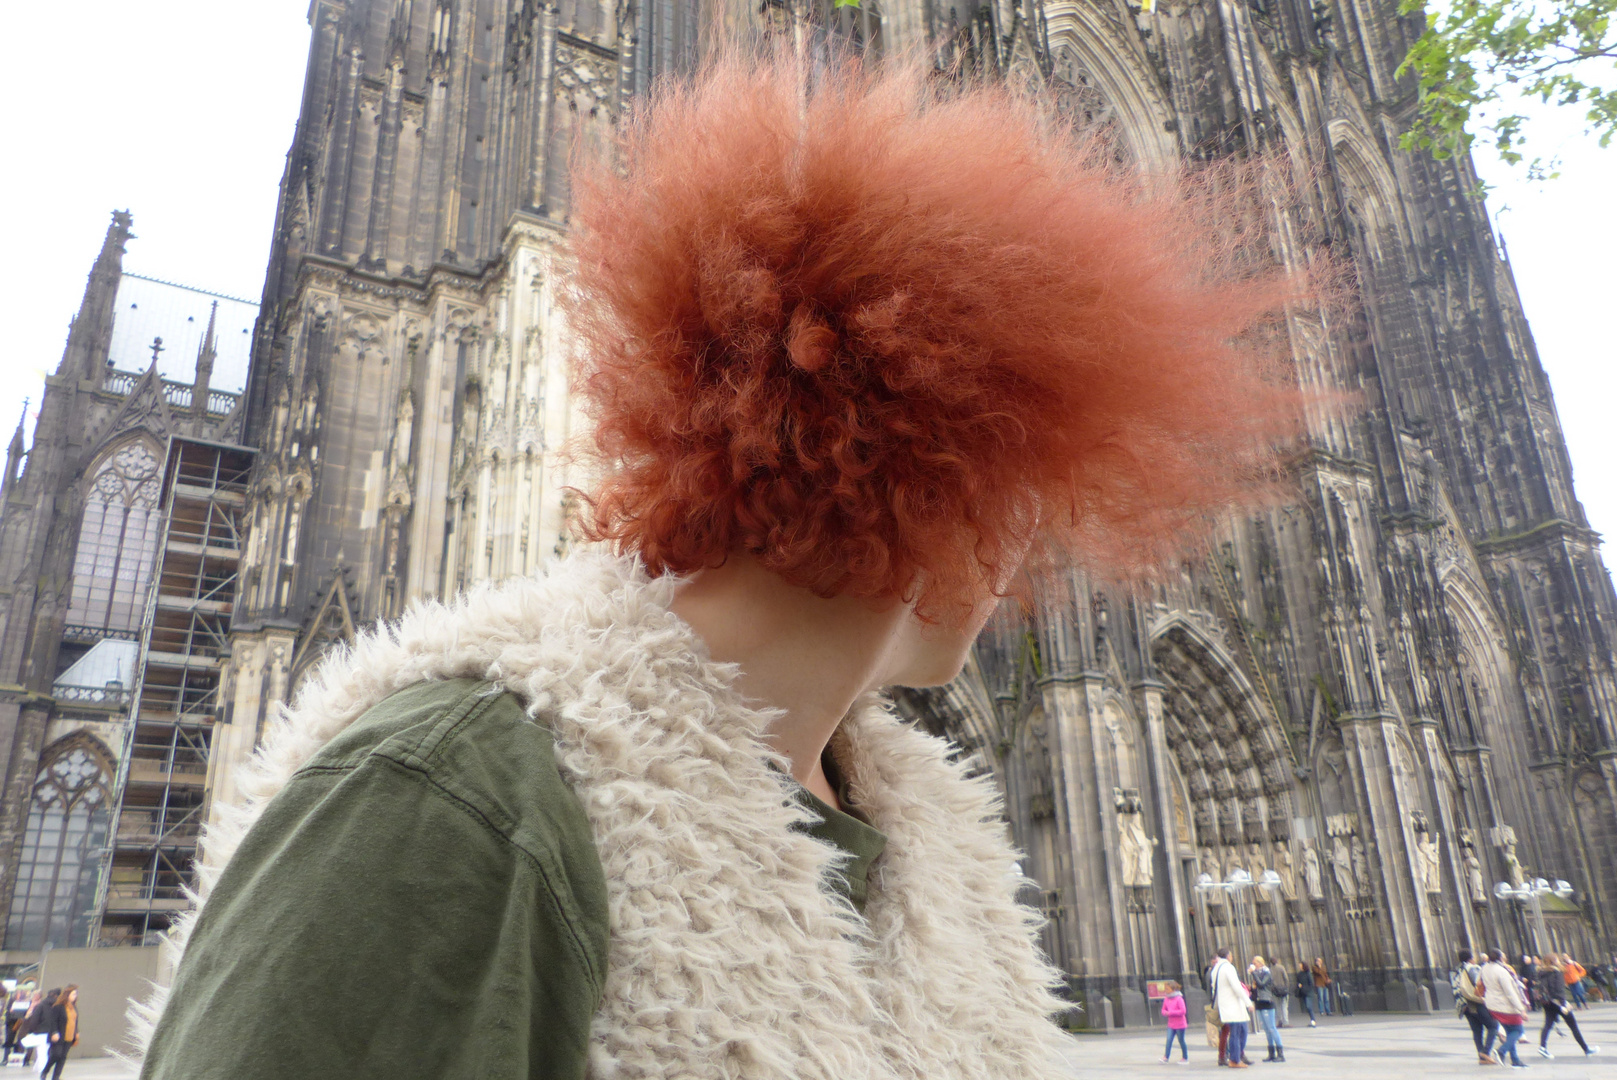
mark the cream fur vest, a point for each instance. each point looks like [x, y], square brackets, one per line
[727, 957]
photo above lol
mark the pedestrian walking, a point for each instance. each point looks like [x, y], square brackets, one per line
[1173, 1010]
[1218, 1032]
[1528, 973]
[34, 1030]
[64, 1032]
[1574, 974]
[1282, 994]
[1504, 997]
[1234, 1006]
[16, 1008]
[1322, 986]
[1552, 998]
[1468, 1004]
[1305, 991]
[1263, 1000]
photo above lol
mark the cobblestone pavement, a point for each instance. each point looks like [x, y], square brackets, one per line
[1374, 1046]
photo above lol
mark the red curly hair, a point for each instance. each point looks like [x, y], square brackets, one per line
[887, 334]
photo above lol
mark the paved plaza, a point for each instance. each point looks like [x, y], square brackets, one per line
[1382, 1046]
[1374, 1046]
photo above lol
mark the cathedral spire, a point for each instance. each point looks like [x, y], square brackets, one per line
[90, 339]
[205, 358]
[14, 452]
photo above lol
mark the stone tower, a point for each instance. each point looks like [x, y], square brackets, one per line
[106, 600]
[1391, 693]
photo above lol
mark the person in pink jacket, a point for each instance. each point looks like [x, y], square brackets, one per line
[1173, 1007]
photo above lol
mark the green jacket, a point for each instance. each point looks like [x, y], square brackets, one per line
[423, 900]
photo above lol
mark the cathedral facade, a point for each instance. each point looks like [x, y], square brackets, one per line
[1329, 738]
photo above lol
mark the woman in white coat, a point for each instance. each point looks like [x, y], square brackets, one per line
[1234, 1005]
[1502, 994]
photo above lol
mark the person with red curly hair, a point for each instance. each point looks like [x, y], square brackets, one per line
[864, 352]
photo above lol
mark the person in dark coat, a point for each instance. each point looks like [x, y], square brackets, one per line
[64, 1032]
[1305, 991]
[36, 1022]
[1552, 999]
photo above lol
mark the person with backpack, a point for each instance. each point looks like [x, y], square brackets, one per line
[1173, 1010]
[1305, 991]
[1468, 1004]
[1552, 999]
[33, 1029]
[1503, 996]
[1263, 997]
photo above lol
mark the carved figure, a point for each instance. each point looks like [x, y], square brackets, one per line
[1286, 869]
[1430, 862]
[1473, 876]
[1342, 868]
[1311, 873]
[1136, 849]
[1361, 868]
[1514, 870]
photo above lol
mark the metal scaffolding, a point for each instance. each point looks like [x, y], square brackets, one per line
[164, 769]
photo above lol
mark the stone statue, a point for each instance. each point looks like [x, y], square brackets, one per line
[1430, 861]
[1361, 868]
[1342, 868]
[1255, 860]
[1286, 869]
[1514, 870]
[1232, 861]
[1473, 876]
[1311, 874]
[1135, 847]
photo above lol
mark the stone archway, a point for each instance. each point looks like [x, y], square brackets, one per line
[1235, 764]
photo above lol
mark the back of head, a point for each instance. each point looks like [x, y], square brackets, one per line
[807, 333]
[1224, 953]
[1465, 956]
[1496, 955]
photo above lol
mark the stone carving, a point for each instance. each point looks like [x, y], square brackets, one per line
[1475, 885]
[1255, 861]
[1504, 838]
[1287, 870]
[1342, 868]
[1428, 858]
[1361, 869]
[1135, 846]
[1311, 873]
[1431, 862]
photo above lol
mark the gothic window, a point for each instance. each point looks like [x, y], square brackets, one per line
[60, 865]
[117, 541]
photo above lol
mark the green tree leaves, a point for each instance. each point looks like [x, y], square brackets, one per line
[1477, 55]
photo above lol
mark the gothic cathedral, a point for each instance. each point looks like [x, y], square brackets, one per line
[1330, 738]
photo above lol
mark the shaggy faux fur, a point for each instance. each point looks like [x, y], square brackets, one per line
[728, 958]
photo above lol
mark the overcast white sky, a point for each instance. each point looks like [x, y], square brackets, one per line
[181, 111]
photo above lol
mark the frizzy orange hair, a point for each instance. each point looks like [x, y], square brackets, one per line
[888, 333]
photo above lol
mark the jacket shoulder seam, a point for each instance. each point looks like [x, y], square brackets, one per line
[575, 941]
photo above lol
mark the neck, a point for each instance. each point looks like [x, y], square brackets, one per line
[807, 656]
